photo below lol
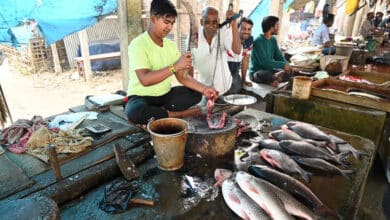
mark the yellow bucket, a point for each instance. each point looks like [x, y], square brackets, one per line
[301, 87]
[169, 136]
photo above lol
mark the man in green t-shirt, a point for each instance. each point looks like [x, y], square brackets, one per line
[153, 61]
[268, 64]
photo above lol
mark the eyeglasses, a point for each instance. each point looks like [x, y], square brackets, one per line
[214, 22]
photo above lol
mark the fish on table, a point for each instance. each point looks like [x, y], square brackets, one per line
[270, 144]
[322, 165]
[240, 203]
[305, 149]
[310, 131]
[284, 162]
[293, 186]
[276, 202]
[343, 146]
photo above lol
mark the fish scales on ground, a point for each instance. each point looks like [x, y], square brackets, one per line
[343, 146]
[322, 165]
[263, 195]
[308, 150]
[284, 162]
[293, 186]
[240, 203]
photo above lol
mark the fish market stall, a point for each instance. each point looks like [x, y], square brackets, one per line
[190, 192]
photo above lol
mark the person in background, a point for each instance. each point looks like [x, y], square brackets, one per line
[385, 24]
[153, 62]
[242, 59]
[267, 63]
[368, 29]
[321, 35]
[210, 58]
[378, 19]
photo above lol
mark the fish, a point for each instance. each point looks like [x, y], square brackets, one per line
[220, 175]
[270, 144]
[284, 162]
[322, 165]
[243, 158]
[305, 149]
[309, 131]
[263, 195]
[293, 186]
[344, 146]
[240, 203]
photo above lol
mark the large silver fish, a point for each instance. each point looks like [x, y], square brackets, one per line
[343, 146]
[293, 186]
[270, 144]
[305, 149]
[284, 162]
[263, 195]
[309, 131]
[322, 165]
[240, 203]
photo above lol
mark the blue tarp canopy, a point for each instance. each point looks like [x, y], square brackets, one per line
[55, 18]
[261, 11]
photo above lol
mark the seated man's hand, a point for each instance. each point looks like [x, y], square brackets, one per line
[210, 93]
[184, 62]
[288, 68]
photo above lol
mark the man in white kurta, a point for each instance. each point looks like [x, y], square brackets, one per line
[210, 58]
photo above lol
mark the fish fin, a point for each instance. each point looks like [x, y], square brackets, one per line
[325, 211]
[306, 176]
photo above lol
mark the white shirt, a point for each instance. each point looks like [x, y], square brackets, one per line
[212, 71]
[321, 35]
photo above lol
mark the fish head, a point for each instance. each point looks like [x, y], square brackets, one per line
[221, 175]
[269, 156]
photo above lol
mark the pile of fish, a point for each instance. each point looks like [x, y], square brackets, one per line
[273, 188]
[254, 198]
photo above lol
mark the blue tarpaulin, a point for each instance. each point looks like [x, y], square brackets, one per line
[55, 18]
[261, 11]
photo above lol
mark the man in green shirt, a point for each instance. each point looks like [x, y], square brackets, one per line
[268, 64]
[153, 61]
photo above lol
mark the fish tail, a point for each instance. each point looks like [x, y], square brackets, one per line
[342, 159]
[324, 211]
[358, 154]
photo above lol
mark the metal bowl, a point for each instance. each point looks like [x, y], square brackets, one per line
[240, 99]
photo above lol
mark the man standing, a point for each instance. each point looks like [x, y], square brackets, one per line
[268, 64]
[242, 59]
[321, 35]
[210, 58]
[153, 61]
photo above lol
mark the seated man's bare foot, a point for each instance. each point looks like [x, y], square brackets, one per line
[246, 83]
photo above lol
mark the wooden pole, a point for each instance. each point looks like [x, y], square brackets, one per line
[130, 26]
[56, 59]
[55, 166]
[83, 36]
